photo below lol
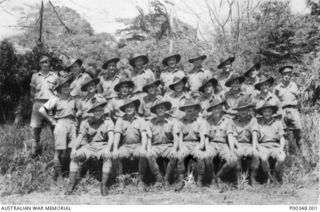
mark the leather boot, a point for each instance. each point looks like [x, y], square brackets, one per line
[254, 169]
[103, 184]
[155, 171]
[72, 183]
[180, 170]
[200, 172]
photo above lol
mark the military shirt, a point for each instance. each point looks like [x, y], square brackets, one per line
[161, 130]
[107, 86]
[167, 77]
[75, 86]
[85, 104]
[287, 95]
[191, 129]
[44, 85]
[62, 108]
[131, 130]
[242, 131]
[271, 131]
[114, 107]
[177, 101]
[140, 79]
[219, 130]
[146, 103]
[196, 79]
[88, 134]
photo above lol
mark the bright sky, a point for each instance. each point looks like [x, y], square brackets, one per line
[102, 14]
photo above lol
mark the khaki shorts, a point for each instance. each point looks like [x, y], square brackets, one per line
[93, 150]
[292, 118]
[223, 151]
[244, 150]
[64, 134]
[130, 150]
[272, 150]
[191, 148]
[37, 119]
[162, 150]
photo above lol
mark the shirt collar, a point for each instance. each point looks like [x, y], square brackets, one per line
[125, 117]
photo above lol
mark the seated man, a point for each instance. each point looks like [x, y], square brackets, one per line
[271, 139]
[94, 140]
[131, 137]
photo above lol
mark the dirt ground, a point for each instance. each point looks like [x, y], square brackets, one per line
[261, 194]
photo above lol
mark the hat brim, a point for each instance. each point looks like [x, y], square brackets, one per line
[229, 60]
[165, 60]
[144, 57]
[84, 86]
[244, 107]
[214, 82]
[69, 80]
[129, 82]
[79, 61]
[281, 70]
[274, 108]
[202, 57]
[270, 80]
[97, 106]
[156, 83]
[105, 64]
[210, 109]
[167, 104]
[184, 79]
[184, 107]
[44, 59]
[136, 102]
[230, 81]
[256, 66]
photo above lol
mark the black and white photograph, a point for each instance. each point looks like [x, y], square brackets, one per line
[159, 102]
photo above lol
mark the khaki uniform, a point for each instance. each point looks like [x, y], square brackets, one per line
[43, 86]
[130, 135]
[196, 78]
[107, 86]
[232, 100]
[176, 102]
[162, 137]
[191, 131]
[114, 107]
[205, 103]
[75, 86]
[141, 79]
[218, 132]
[289, 101]
[167, 78]
[269, 140]
[242, 131]
[94, 141]
[65, 129]
[144, 108]
[85, 104]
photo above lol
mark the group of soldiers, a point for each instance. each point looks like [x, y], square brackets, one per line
[166, 123]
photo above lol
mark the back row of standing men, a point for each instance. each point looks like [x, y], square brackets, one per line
[123, 114]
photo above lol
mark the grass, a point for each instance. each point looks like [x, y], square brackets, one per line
[25, 181]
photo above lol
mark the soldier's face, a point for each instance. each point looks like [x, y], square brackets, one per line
[152, 90]
[45, 65]
[98, 113]
[179, 87]
[161, 110]
[111, 68]
[75, 68]
[264, 87]
[208, 89]
[227, 67]
[267, 113]
[254, 73]
[216, 111]
[130, 109]
[172, 62]
[191, 111]
[243, 113]
[138, 62]
[235, 85]
[65, 89]
[286, 76]
[92, 88]
[124, 89]
[197, 63]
